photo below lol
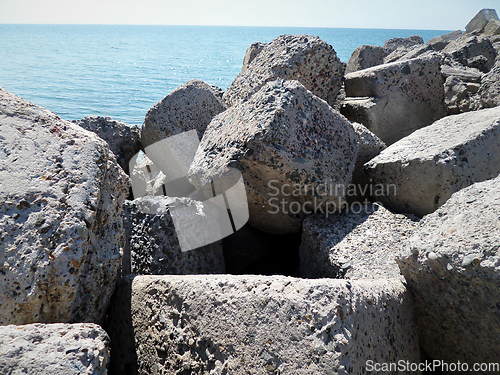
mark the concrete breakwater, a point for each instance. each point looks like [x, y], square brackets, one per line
[371, 241]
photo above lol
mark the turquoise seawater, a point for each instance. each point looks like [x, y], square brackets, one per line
[121, 71]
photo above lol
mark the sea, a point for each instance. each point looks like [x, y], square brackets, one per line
[121, 71]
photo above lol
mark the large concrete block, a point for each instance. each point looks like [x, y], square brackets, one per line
[304, 58]
[480, 20]
[190, 106]
[54, 349]
[292, 149]
[152, 245]
[451, 265]
[61, 233]
[361, 243]
[269, 324]
[423, 170]
[252, 51]
[406, 96]
[365, 57]
[123, 140]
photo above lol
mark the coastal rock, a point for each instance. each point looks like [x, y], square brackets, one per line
[489, 90]
[427, 167]
[190, 106]
[364, 57]
[252, 51]
[54, 349]
[461, 88]
[262, 324]
[369, 146]
[407, 53]
[152, 246]
[304, 58]
[472, 51]
[360, 243]
[61, 194]
[480, 20]
[281, 139]
[397, 98]
[123, 139]
[392, 44]
[439, 42]
[451, 265]
[458, 95]
[492, 28]
[465, 74]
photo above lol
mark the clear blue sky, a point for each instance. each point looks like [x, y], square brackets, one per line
[385, 14]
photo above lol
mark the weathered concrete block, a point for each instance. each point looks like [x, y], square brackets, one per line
[61, 234]
[304, 58]
[451, 265]
[54, 349]
[261, 324]
[392, 44]
[480, 20]
[492, 28]
[364, 57]
[190, 106]
[252, 51]
[489, 90]
[123, 140]
[282, 138]
[152, 246]
[407, 95]
[359, 244]
[472, 51]
[427, 167]
[439, 42]
[369, 146]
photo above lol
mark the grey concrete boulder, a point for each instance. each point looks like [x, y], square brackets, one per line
[304, 58]
[472, 51]
[461, 87]
[152, 245]
[369, 146]
[360, 243]
[489, 91]
[60, 349]
[61, 194]
[123, 140]
[463, 73]
[492, 28]
[451, 265]
[252, 51]
[260, 325]
[407, 53]
[281, 139]
[364, 57]
[54, 349]
[190, 106]
[480, 20]
[427, 167]
[392, 44]
[393, 100]
[439, 42]
[458, 95]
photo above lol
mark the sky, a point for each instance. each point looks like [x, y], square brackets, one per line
[383, 14]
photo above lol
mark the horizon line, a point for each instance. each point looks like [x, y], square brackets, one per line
[304, 27]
